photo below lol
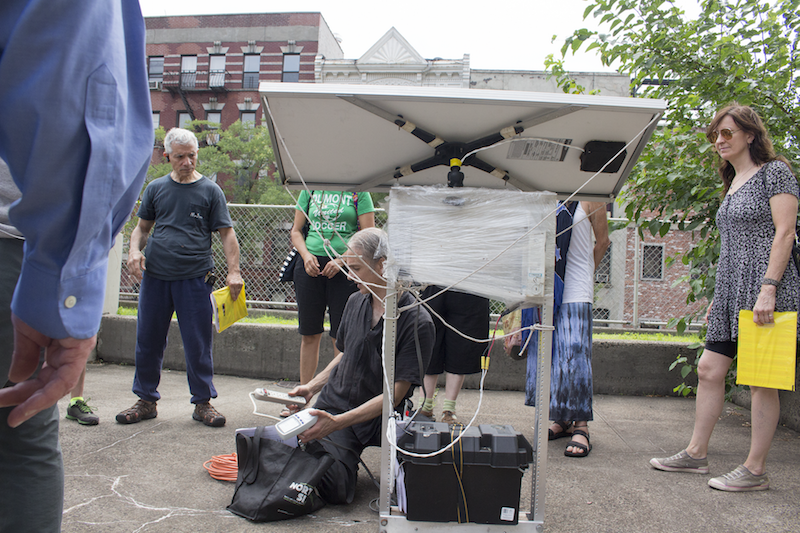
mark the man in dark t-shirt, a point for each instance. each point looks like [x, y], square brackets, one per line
[350, 388]
[182, 209]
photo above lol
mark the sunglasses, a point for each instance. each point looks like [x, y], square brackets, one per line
[726, 133]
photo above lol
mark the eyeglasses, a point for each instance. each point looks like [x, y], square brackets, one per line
[726, 133]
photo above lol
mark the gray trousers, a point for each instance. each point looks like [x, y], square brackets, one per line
[31, 468]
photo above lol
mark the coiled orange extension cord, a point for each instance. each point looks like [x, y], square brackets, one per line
[222, 467]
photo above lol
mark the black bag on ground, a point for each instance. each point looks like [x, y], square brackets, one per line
[276, 481]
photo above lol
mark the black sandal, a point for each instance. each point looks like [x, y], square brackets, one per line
[565, 426]
[575, 444]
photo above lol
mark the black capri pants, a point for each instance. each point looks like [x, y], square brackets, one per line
[315, 295]
[467, 313]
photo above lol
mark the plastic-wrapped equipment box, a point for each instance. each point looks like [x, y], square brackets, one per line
[477, 480]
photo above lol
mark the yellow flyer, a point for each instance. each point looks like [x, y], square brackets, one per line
[767, 354]
[226, 310]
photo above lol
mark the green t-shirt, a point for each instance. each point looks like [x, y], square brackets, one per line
[332, 212]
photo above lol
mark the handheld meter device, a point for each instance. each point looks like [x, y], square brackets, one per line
[295, 424]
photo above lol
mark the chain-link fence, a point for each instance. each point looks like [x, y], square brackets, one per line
[632, 284]
[263, 234]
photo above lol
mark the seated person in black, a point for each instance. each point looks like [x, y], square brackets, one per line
[350, 388]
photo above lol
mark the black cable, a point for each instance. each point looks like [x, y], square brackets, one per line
[419, 364]
[419, 354]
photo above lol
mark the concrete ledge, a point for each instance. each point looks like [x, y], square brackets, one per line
[627, 368]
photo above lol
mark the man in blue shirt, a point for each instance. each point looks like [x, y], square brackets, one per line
[76, 132]
[182, 209]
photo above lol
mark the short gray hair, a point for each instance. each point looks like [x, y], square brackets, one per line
[373, 243]
[179, 136]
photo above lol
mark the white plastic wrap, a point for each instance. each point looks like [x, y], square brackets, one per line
[441, 236]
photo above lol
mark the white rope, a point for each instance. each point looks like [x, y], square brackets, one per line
[536, 226]
[392, 427]
[517, 138]
[255, 409]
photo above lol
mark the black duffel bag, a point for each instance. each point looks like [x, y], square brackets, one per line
[276, 481]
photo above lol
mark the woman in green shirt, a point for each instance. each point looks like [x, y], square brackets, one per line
[334, 216]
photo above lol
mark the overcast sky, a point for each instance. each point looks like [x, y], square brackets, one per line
[510, 34]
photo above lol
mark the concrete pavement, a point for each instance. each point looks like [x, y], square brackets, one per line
[148, 477]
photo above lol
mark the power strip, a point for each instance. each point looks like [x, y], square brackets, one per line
[266, 395]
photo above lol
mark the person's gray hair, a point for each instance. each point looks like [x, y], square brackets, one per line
[372, 243]
[179, 136]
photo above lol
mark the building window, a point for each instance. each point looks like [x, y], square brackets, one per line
[212, 136]
[602, 274]
[156, 72]
[291, 67]
[252, 68]
[653, 261]
[156, 119]
[184, 118]
[216, 71]
[188, 72]
[214, 116]
[249, 117]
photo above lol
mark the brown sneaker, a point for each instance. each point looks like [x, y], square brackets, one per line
[449, 417]
[141, 410]
[205, 413]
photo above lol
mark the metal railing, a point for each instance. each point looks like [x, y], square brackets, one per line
[191, 80]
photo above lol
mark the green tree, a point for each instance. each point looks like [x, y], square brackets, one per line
[159, 169]
[243, 152]
[739, 50]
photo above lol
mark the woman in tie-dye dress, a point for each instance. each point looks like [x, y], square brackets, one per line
[571, 370]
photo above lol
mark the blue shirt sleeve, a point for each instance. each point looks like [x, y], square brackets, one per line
[77, 135]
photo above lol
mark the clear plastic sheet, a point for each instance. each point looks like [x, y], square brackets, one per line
[481, 239]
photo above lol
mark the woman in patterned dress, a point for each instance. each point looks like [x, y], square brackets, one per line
[756, 222]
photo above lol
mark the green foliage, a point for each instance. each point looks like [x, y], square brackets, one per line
[646, 336]
[243, 152]
[742, 50]
[271, 192]
[160, 169]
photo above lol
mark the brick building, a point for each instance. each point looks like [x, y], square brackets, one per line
[208, 67]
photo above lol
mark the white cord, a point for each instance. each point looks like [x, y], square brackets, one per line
[12, 235]
[536, 226]
[391, 427]
[516, 138]
[391, 433]
[255, 409]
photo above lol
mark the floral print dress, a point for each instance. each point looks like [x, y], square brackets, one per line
[746, 233]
